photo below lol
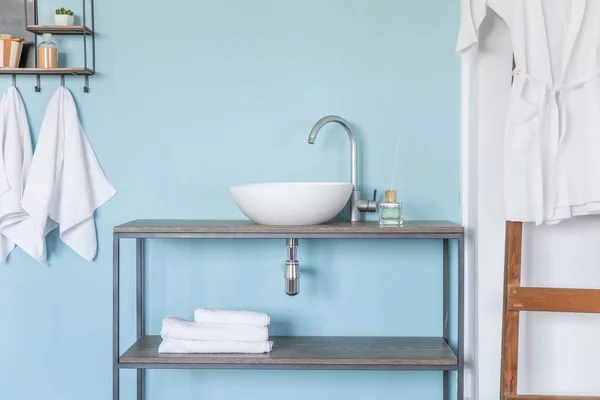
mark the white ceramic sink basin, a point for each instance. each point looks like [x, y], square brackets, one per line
[292, 203]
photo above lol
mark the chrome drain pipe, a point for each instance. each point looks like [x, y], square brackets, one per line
[292, 270]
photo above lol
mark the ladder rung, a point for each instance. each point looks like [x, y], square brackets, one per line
[554, 300]
[532, 397]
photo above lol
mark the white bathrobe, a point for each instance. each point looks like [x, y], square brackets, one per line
[16, 226]
[66, 184]
[552, 139]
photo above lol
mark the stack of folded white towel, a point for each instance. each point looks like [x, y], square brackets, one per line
[217, 331]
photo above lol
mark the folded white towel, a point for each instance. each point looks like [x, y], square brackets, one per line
[206, 347]
[179, 328]
[208, 316]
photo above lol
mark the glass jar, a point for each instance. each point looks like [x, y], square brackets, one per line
[47, 53]
[390, 212]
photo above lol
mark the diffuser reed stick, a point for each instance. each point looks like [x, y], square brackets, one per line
[395, 162]
[421, 166]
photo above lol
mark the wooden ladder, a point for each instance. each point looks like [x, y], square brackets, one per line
[518, 298]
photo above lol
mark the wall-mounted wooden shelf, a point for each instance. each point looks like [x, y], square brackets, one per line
[46, 71]
[60, 30]
[85, 30]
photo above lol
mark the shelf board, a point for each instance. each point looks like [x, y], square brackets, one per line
[174, 227]
[46, 71]
[60, 30]
[308, 352]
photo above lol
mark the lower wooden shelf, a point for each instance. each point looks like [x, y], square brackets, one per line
[308, 352]
[46, 71]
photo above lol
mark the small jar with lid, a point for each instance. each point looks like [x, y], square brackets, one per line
[390, 212]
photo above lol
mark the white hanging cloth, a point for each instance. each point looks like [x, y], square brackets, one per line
[16, 226]
[552, 137]
[66, 184]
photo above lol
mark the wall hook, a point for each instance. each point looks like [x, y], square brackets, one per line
[14, 79]
[86, 88]
[38, 86]
[62, 80]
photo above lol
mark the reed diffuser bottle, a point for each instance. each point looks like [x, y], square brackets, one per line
[390, 212]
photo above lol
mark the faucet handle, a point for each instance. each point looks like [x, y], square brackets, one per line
[368, 205]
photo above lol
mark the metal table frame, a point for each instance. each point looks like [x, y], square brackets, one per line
[140, 331]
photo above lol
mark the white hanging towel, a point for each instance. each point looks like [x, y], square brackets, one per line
[16, 226]
[66, 184]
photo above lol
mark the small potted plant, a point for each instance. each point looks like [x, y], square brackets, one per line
[64, 17]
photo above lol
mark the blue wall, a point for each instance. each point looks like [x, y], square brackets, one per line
[229, 96]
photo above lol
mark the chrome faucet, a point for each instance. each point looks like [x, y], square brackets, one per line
[356, 205]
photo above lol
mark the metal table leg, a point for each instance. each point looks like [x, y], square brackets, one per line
[115, 317]
[140, 325]
[461, 319]
[446, 314]
[139, 288]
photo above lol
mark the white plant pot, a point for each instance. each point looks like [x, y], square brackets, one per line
[64, 20]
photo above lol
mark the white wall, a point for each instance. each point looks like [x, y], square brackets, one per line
[559, 352]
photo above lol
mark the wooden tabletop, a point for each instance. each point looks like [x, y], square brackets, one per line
[347, 352]
[249, 227]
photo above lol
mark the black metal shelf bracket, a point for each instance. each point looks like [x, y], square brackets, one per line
[85, 34]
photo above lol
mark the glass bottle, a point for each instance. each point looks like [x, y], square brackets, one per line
[47, 53]
[390, 212]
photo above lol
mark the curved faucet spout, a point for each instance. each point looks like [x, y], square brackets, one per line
[356, 204]
[353, 157]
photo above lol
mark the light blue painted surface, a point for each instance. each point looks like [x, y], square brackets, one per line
[251, 78]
